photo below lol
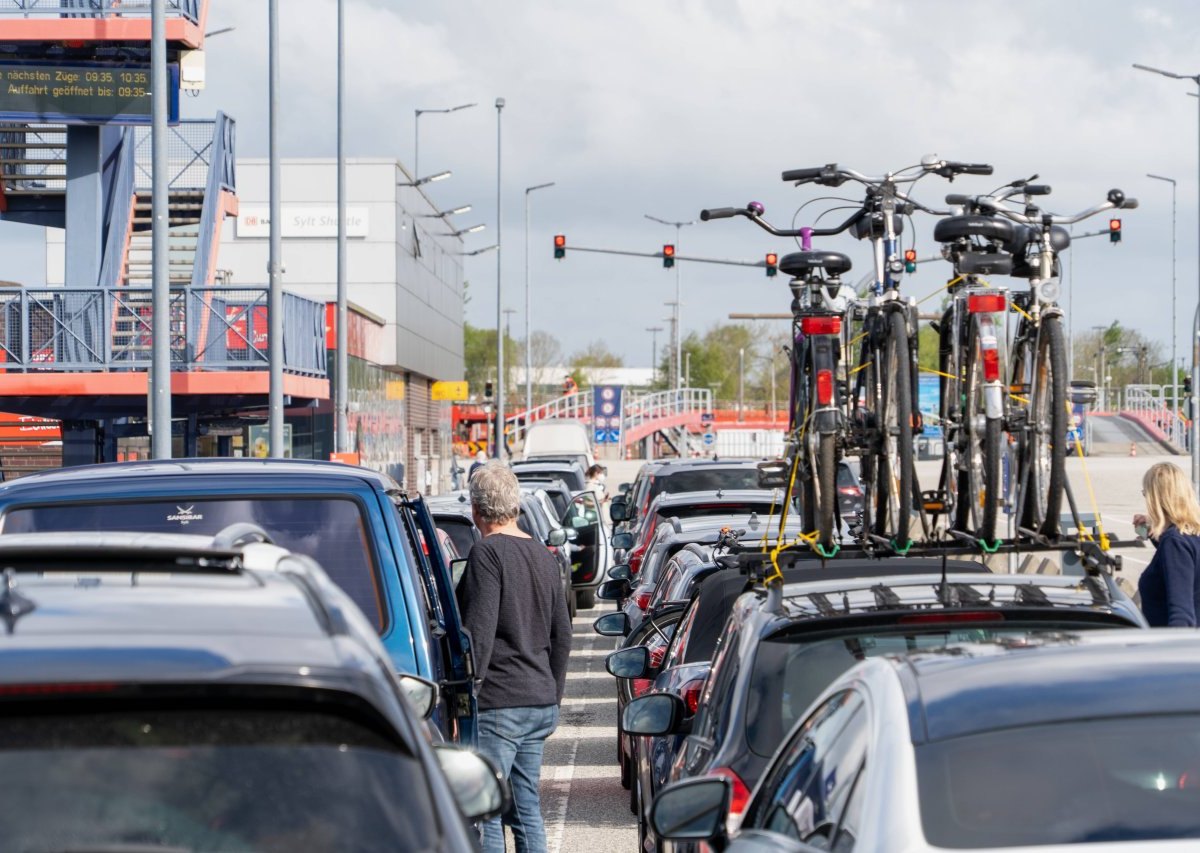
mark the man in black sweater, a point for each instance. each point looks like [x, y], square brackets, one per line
[512, 603]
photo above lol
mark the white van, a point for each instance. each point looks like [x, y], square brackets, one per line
[561, 438]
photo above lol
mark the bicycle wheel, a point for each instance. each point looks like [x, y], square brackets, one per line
[979, 486]
[894, 418]
[950, 401]
[818, 492]
[1046, 447]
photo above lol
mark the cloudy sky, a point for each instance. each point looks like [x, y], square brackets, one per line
[668, 106]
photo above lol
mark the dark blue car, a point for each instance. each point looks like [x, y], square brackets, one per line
[376, 543]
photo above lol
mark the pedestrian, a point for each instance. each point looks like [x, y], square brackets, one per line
[570, 386]
[596, 475]
[480, 461]
[1170, 585]
[512, 602]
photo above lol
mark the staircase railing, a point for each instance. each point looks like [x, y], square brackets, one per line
[120, 211]
[1150, 406]
[99, 329]
[189, 9]
[222, 177]
[576, 406]
[190, 146]
[661, 405]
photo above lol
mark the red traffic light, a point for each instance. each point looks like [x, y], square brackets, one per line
[910, 255]
[668, 251]
[560, 240]
[772, 259]
[1114, 225]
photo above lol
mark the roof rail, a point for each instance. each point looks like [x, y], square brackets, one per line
[241, 533]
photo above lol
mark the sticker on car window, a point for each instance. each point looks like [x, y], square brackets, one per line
[185, 515]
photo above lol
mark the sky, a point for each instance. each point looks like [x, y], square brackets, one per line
[665, 107]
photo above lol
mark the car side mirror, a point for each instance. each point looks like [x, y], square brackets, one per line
[612, 625]
[621, 573]
[613, 590]
[457, 569]
[629, 663]
[580, 522]
[654, 715]
[624, 488]
[692, 810]
[622, 541]
[422, 695]
[618, 510]
[571, 533]
[478, 786]
[557, 537]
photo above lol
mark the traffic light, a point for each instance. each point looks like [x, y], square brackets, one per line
[560, 246]
[910, 260]
[1114, 230]
[487, 390]
[668, 254]
[772, 264]
[1187, 385]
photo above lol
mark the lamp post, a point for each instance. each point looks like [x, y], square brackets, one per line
[1174, 354]
[160, 353]
[678, 226]
[1195, 78]
[428, 179]
[654, 330]
[341, 369]
[672, 364]
[529, 307]
[274, 261]
[741, 384]
[499, 429]
[417, 131]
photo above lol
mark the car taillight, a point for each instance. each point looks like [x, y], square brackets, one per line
[643, 599]
[852, 491]
[824, 387]
[64, 689]
[739, 796]
[639, 686]
[821, 325]
[938, 617]
[635, 559]
[987, 303]
[691, 694]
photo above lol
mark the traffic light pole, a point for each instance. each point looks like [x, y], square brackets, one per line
[659, 255]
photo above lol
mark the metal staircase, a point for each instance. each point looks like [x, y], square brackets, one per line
[33, 173]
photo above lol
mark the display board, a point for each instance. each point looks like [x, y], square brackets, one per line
[81, 94]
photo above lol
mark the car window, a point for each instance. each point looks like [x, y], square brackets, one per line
[706, 480]
[851, 825]
[1128, 779]
[670, 572]
[806, 789]
[678, 647]
[217, 779]
[791, 672]
[332, 531]
[461, 533]
[719, 689]
[583, 506]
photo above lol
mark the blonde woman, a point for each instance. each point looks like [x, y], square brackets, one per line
[1170, 585]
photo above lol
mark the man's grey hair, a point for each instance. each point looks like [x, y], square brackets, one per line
[495, 493]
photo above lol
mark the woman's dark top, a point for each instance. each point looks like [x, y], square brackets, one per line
[1170, 585]
[511, 600]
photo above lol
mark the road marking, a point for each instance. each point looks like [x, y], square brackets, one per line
[562, 775]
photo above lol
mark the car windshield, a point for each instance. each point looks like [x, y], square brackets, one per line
[330, 530]
[791, 671]
[1094, 781]
[208, 780]
[705, 480]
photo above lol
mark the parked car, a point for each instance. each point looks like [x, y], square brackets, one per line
[380, 545]
[780, 649]
[169, 692]
[570, 472]
[1037, 741]
[687, 475]
[537, 519]
[452, 513]
[558, 437]
[849, 488]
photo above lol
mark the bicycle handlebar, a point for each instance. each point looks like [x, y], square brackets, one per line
[720, 213]
[807, 174]
[754, 212]
[1116, 201]
[831, 176]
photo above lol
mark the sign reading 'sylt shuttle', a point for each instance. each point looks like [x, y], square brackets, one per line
[81, 94]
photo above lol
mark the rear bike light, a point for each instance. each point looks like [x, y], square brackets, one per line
[938, 618]
[991, 365]
[739, 795]
[987, 303]
[821, 325]
[824, 387]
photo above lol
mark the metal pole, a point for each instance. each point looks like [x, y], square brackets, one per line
[1174, 295]
[1192, 407]
[160, 362]
[679, 383]
[499, 428]
[654, 330]
[1071, 313]
[275, 293]
[741, 384]
[341, 357]
[529, 305]
[417, 144]
[772, 388]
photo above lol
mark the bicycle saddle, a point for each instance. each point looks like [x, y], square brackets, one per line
[991, 227]
[801, 264]
[1060, 238]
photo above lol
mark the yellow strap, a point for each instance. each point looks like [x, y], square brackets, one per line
[1018, 309]
[860, 367]
[856, 339]
[1091, 495]
[936, 372]
[945, 286]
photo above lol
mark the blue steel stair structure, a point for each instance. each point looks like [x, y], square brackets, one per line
[81, 353]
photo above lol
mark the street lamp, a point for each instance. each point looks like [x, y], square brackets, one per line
[441, 214]
[678, 328]
[529, 307]
[1195, 78]
[654, 330]
[1174, 355]
[417, 130]
[474, 229]
[485, 249]
[428, 179]
[499, 297]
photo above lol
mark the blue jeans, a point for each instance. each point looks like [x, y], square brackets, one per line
[514, 738]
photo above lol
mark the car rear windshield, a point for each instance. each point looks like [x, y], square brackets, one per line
[705, 480]
[330, 530]
[212, 780]
[790, 672]
[460, 533]
[1099, 780]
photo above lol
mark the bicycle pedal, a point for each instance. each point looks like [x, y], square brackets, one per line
[935, 501]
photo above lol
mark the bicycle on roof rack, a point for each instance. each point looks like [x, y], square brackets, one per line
[871, 412]
[979, 396]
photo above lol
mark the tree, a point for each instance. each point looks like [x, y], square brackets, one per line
[1128, 356]
[588, 363]
[545, 361]
[479, 354]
